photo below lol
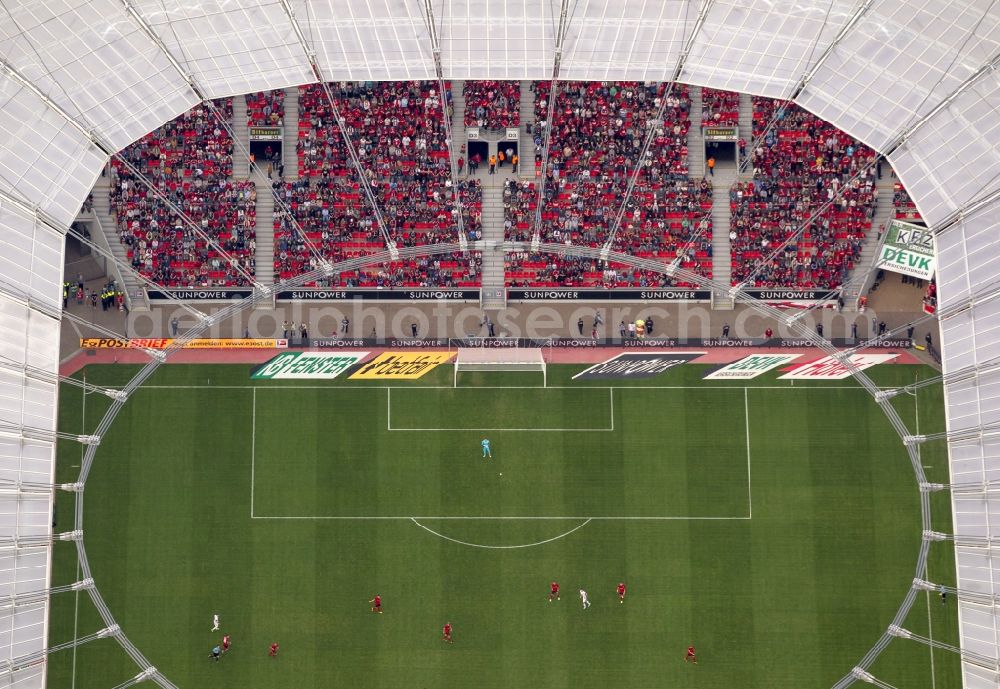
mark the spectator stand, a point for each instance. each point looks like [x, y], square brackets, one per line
[904, 207]
[720, 120]
[265, 128]
[596, 141]
[398, 135]
[491, 118]
[199, 228]
[799, 164]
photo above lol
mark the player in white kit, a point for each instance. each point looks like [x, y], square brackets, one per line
[583, 597]
[215, 623]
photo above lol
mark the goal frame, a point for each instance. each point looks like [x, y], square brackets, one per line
[500, 359]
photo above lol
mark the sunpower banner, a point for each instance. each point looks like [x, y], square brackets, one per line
[908, 249]
[829, 368]
[305, 365]
[638, 365]
[750, 367]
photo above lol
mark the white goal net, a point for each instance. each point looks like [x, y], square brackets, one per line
[500, 359]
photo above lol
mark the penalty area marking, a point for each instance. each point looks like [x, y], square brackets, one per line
[309, 517]
[819, 386]
[746, 419]
[610, 429]
[304, 517]
[502, 547]
[253, 448]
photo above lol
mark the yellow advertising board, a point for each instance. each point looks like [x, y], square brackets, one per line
[401, 365]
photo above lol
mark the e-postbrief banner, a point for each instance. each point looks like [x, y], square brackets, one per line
[829, 368]
[216, 343]
[750, 367]
[305, 365]
[400, 365]
[164, 343]
[637, 365]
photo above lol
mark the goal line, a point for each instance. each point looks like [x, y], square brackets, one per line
[500, 359]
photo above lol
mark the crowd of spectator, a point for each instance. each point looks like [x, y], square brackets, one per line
[492, 105]
[266, 108]
[597, 138]
[930, 297]
[905, 208]
[88, 204]
[669, 221]
[719, 108]
[599, 128]
[398, 133]
[799, 164]
[189, 161]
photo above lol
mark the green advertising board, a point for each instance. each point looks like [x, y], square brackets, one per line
[908, 249]
[305, 365]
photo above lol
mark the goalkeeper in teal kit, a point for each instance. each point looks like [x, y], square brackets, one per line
[486, 449]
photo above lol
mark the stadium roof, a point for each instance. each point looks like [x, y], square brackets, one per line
[80, 79]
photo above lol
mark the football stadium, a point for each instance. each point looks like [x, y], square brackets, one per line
[566, 343]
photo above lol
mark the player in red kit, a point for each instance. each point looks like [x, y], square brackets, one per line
[621, 592]
[274, 650]
[376, 603]
[225, 643]
[446, 631]
[690, 657]
[554, 592]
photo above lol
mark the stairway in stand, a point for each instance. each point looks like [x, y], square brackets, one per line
[241, 136]
[458, 119]
[106, 225]
[725, 175]
[746, 132]
[696, 143]
[291, 136]
[861, 276]
[722, 269]
[264, 256]
[493, 255]
[526, 145]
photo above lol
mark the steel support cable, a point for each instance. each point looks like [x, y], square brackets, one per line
[696, 237]
[100, 329]
[984, 661]
[858, 278]
[145, 282]
[12, 665]
[634, 177]
[434, 249]
[848, 26]
[561, 30]
[279, 202]
[184, 217]
[887, 335]
[13, 366]
[148, 371]
[657, 121]
[456, 192]
[359, 170]
[814, 214]
[362, 177]
[18, 295]
[969, 373]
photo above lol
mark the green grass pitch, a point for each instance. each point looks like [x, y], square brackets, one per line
[773, 526]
